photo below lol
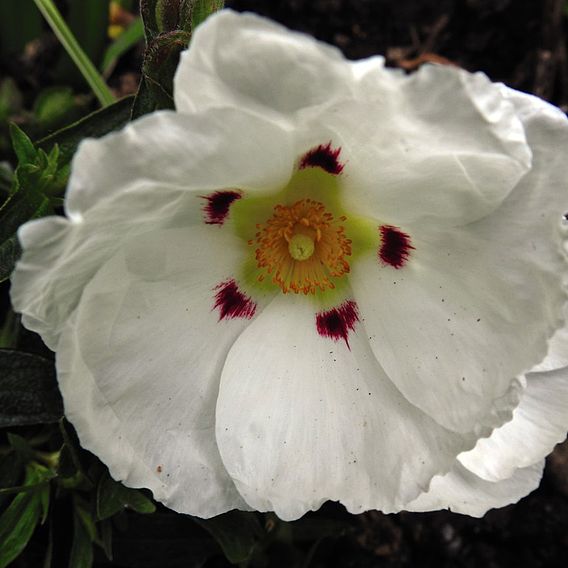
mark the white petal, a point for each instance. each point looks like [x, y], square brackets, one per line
[442, 329]
[505, 270]
[139, 365]
[152, 174]
[439, 146]
[441, 143]
[60, 257]
[245, 61]
[557, 356]
[302, 419]
[217, 150]
[539, 422]
[462, 492]
[44, 243]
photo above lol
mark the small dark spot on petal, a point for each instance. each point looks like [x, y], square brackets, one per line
[338, 322]
[324, 157]
[232, 303]
[395, 246]
[218, 204]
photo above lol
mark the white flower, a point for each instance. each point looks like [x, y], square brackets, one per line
[316, 280]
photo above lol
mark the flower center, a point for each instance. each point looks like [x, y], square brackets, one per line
[302, 247]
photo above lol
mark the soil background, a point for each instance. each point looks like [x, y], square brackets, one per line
[523, 44]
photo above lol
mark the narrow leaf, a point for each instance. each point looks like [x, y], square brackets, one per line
[22, 145]
[74, 49]
[106, 537]
[20, 519]
[94, 125]
[19, 208]
[82, 548]
[144, 103]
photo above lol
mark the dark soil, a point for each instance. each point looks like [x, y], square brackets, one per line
[523, 44]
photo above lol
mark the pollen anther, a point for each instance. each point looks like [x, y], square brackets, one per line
[302, 247]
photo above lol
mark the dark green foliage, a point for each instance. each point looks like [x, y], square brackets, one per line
[113, 497]
[83, 535]
[94, 125]
[36, 175]
[160, 63]
[20, 519]
[88, 20]
[168, 26]
[236, 532]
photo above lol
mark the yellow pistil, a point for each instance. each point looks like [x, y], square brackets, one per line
[302, 247]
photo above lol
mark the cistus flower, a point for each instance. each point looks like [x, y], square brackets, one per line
[316, 280]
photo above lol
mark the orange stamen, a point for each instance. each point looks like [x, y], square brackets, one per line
[294, 273]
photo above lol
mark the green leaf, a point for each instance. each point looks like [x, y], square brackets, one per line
[137, 501]
[113, 497]
[48, 558]
[168, 27]
[66, 467]
[236, 532]
[44, 495]
[88, 21]
[28, 390]
[20, 519]
[94, 125]
[132, 35]
[82, 548]
[202, 9]
[105, 540]
[20, 207]
[23, 146]
[21, 447]
[162, 16]
[160, 64]
[84, 65]
[144, 103]
[148, 10]
[36, 171]
[53, 106]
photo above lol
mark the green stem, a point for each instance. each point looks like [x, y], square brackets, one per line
[67, 39]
